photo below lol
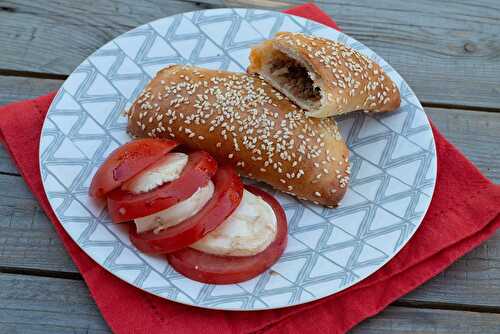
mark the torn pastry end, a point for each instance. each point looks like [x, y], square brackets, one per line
[323, 77]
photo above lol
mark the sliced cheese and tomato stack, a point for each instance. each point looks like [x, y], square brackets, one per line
[211, 227]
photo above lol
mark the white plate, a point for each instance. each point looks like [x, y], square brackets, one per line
[392, 156]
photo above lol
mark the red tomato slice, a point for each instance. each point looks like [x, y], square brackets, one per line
[226, 198]
[124, 206]
[213, 269]
[127, 161]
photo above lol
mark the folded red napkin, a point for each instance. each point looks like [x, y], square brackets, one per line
[464, 212]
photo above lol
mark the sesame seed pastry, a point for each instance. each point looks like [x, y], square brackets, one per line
[241, 120]
[324, 77]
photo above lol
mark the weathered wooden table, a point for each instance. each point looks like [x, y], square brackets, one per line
[448, 51]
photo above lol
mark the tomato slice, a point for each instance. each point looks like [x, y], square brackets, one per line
[226, 198]
[124, 206]
[127, 161]
[214, 269]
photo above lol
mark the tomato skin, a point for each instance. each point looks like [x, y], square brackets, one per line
[214, 269]
[125, 206]
[127, 161]
[226, 198]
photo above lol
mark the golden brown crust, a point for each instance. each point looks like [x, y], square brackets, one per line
[239, 119]
[348, 80]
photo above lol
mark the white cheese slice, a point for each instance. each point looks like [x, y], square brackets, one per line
[248, 231]
[177, 213]
[165, 170]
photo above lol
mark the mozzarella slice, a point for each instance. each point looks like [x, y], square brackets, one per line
[163, 171]
[248, 231]
[178, 213]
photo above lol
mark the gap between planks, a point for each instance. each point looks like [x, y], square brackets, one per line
[459, 106]
[10, 174]
[41, 273]
[30, 74]
[445, 306]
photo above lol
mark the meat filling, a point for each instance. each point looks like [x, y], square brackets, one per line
[294, 78]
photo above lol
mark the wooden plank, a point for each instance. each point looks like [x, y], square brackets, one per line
[27, 238]
[475, 133]
[446, 50]
[20, 88]
[30, 304]
[35, 34]
[427, 321]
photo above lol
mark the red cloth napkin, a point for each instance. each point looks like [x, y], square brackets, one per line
[464, 212]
